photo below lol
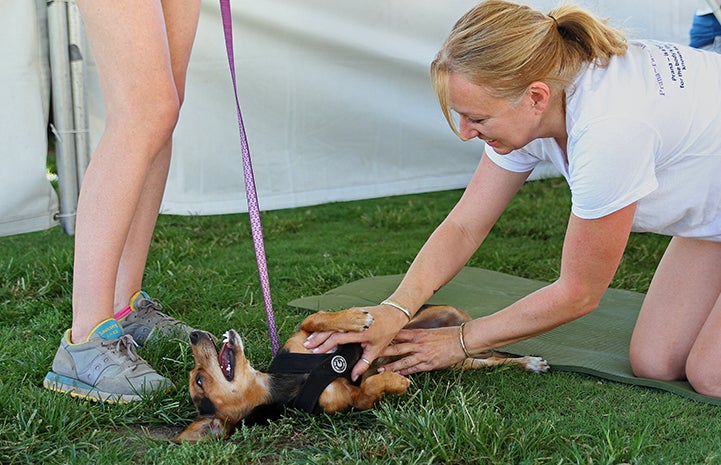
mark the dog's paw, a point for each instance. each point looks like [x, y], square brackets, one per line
[537, 364]
[350, 320]
[354, 320]
[387, 382]
[401, 385]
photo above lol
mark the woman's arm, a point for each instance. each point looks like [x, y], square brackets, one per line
[457, 238]
[444, 254]
[592, 251]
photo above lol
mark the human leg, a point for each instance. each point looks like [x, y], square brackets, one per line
[132, 52]
[677, 310]
[703, 367]
[181, 19]
[130, 49]
[138, 313]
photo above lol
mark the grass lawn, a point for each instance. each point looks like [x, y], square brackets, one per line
[203, 268]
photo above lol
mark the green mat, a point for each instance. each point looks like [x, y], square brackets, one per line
[596, 344]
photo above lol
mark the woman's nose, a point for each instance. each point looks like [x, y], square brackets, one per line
[467, 130]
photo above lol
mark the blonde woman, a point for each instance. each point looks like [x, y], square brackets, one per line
[632, 128]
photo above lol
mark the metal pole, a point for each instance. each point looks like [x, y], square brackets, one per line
[77, 77]
[63, 126]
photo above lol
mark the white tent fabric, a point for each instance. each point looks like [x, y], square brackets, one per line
[336, 100]
[28, 200]
[335, 93]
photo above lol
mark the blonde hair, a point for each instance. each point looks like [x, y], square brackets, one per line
[504, 47]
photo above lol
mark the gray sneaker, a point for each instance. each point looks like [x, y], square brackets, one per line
[144, 321]
[104, 368]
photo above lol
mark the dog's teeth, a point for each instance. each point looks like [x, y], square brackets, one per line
[226, 337]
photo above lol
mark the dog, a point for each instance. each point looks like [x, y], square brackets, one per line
[226, 389]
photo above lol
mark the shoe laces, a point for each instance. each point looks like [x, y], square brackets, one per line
[150, 309]
[125, 344]
[151, 304]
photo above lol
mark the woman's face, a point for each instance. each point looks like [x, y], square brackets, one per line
[501, 123]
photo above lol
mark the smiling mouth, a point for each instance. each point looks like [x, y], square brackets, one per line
[226, 357]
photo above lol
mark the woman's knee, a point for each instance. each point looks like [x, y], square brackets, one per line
[704, 375]
[148, 120]
[161, 111]
[653, 363]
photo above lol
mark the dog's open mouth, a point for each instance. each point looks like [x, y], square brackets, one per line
[226, 357]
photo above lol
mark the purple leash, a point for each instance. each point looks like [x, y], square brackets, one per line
[250, 192]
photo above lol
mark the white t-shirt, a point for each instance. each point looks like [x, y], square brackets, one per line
[647, 128]
[703, 7]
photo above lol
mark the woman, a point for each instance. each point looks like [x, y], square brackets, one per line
[142, 49]
[632, 129]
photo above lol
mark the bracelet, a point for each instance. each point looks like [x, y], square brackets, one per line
[399, 307]
[460, 338]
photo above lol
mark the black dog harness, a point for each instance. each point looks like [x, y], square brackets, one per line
[322, 369]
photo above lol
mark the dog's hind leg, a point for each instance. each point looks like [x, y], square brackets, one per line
[341, 395]
[494, 358]
[373, 387]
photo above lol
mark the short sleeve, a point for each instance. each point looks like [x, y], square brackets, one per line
[518, 161]
[611, 165]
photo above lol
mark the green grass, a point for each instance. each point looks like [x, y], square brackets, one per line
[203, 268]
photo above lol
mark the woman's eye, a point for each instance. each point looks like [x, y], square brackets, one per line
[475, 120]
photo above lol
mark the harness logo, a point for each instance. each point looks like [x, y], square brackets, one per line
[339, 364]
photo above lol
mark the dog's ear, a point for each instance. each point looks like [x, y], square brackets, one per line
[204, 428]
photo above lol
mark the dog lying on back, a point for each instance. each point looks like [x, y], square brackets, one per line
[226, 389]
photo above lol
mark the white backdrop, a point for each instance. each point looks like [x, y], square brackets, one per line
[27, 200]
[336, 100]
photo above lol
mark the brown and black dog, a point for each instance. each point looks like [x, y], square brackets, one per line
[226, 389]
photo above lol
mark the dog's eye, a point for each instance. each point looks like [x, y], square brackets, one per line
[199, 381]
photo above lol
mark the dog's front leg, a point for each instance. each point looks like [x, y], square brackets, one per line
[352, 319]
[205, 428]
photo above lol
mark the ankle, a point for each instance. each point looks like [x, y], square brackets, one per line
[107, 329]
[75, 337]
[121, 314]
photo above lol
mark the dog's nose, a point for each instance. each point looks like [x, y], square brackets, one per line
[195, 337]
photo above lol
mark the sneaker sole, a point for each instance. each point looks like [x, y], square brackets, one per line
[75, 388]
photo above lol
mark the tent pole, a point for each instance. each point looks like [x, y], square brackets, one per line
[79, 95]
[63, 113]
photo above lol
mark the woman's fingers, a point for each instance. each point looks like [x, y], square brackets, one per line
[423, 350]
[369, 355]
[327, 341]
[316, 339]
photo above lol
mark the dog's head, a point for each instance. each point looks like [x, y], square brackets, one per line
[223, 386]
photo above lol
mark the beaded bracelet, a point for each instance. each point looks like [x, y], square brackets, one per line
[460, 338]
[399, 307]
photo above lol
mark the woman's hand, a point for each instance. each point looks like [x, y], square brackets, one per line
[386, 324]
[424, 350]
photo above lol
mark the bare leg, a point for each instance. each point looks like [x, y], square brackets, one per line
[703, 367]
[680, 319]
[181, 19]
[133, 55]
[137, 244]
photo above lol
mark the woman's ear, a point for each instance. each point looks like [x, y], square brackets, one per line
[540, 95]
